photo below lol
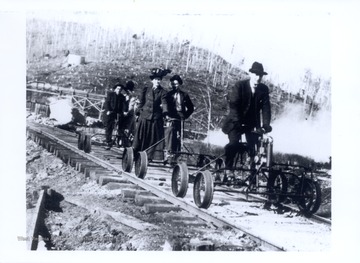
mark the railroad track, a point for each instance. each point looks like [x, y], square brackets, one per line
[273, 231]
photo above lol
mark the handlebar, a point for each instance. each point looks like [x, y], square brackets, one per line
[263, 136]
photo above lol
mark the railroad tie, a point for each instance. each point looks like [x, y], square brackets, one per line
[50, 147]
[113, 186]
[74, 159]
[114, 179]
[141, 200]
[159, 208]
[94, 174]
[80, 166]
[127, 193]
[170, 217]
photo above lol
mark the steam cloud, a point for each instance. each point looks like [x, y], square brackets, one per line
[294, 133]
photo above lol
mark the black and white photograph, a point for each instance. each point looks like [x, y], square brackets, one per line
[187, 126]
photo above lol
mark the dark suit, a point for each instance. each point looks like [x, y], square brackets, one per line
[127, 125]
[247, 112]
[179, 107]
[150, 127]
[115, 104]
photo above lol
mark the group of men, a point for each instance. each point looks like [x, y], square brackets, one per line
[119, 113]
[249, 114]
[156, 108]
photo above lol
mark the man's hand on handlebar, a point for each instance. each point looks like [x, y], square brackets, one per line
[267, 128]
[263, 130]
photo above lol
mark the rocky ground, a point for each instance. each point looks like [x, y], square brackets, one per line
[82, 215]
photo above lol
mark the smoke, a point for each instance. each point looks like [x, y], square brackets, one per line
[310, 137]
[216, 137]
[60, 110]
[293, 133]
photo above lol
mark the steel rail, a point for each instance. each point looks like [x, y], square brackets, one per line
[203, 214]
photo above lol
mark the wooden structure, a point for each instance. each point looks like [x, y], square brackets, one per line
[82, 100]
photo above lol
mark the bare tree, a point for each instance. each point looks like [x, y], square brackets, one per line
[315, 87]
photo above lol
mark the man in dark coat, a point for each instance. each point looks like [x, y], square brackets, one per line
[126, 124]
[114, 108]
[150, 127]
[179, 108]
[250, 111]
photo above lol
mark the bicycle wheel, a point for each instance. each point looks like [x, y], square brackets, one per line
[203, 189]
[310, 199]
[180, 180]
[278, 185]
[141, 162]
[128, 159]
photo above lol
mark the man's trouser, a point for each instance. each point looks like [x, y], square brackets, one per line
[173, 136]
[232, 148]
[109, 127]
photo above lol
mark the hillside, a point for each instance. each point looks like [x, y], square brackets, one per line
[115, 55]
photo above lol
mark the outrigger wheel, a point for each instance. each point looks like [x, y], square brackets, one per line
[141, 162]
[278, 186]
[81, 141]
[128, 159]
[310, 199]
[203, 189]
[180, 180]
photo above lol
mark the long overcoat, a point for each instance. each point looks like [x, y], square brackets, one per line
[152, 103]
[240, 98]
[150, 128]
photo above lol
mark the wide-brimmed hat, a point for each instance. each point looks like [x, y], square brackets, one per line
[159, 73]
[178, 78]
[257, 68]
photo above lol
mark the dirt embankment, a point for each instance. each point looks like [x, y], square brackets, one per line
[81, 215]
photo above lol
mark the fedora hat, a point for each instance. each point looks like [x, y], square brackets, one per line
[118, 85]
[159, 73]
[178, 78]
[257, 68]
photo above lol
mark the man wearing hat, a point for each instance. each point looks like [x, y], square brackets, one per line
[126, 122]
[114, 108]
[150, 127]
[250, 111]
[179, 108]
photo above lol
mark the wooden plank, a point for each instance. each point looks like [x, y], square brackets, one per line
[34, 226]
